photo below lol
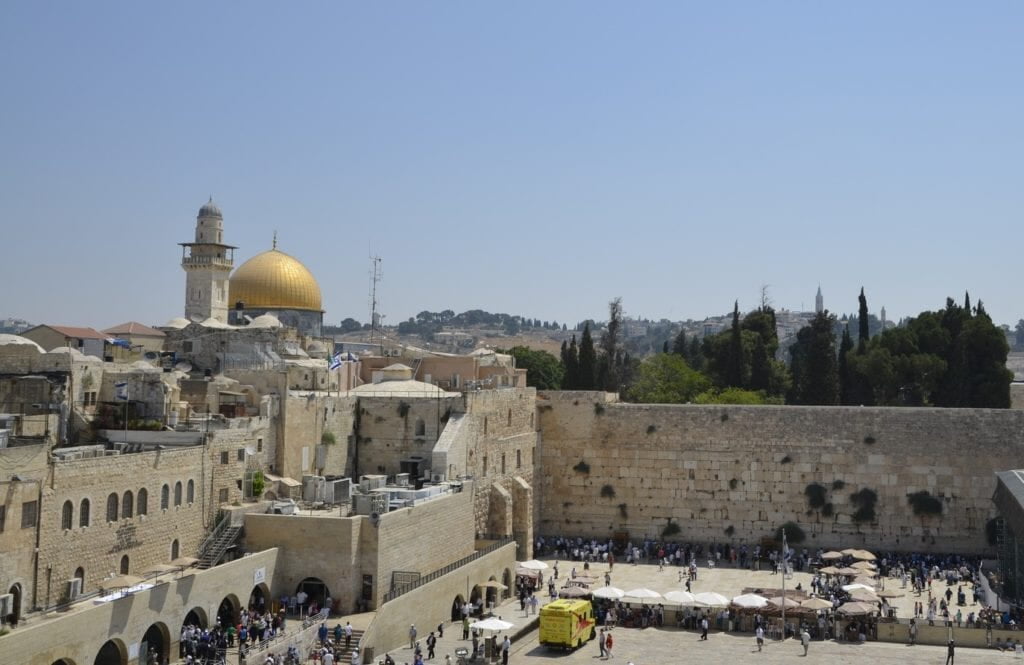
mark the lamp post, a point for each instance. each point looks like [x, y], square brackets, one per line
[783, 559]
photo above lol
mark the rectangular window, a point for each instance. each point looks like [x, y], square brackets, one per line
[186, 347]
[367, 587]
[485, 465]
[3, 518]
[259, 445]
[222, 495]
[28, 514]
[519, 459]
[224, 457]
[241, 454]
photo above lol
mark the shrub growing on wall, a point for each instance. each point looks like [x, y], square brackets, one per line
[671, 529]
[794, 534]
[865, 501]
[816, 495]
[581, 467]
[924, 503]
[608, 492]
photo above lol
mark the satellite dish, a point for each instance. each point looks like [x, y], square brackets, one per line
[151, 355]
[374, 519]
[183, 366]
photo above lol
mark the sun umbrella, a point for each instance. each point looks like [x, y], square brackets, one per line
[680, 597]
[863, 596]
[866, 581]
[710, 599]
[853, 587]
[120, 582]
[573, 592]
[494, 584]
[609, 592]
[848, 551]
[750, 601]
[832, 556]
[816, 604]
[863, 555]
[849, 571]
[886, 593]
[492, 624]
[533, 564]
[643, 594]
[829, 570]
[779, 601]
[856, 609]
[863, 565]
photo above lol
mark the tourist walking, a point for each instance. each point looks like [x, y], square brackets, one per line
[913, 632]
[805, 639]
[506, 646]
[950, 651]
[412, 636]
[704, 628]
[608, 645]
[759, 633]
[600, 642]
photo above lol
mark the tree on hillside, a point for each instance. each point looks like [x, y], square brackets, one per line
[696, 355]
[543, 370]
[815, 375]
[863, 332]
[571, 365]
[611, 349]
[350, 325]
[665, 378]
[735, 365]
[845, 376]
[586, 375]
[681, 348]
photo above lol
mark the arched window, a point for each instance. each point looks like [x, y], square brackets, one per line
[112, 507]
[421, 427]
[177, 493]
[67, 515]
[83, 513]
[190, 493]
[124, 565]
[165, 497]
[142, 501]
[80, 575]
[127, 505]
[510, 417]
[175, 549]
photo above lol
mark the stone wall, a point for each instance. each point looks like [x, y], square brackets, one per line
[17, 542]
[305, 418]
[401, 428]
[735, 474]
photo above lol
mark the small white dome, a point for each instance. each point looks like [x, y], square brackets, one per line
[177, 323]
[6, 339]
[213, 323]
[316, 349]
[265, 321]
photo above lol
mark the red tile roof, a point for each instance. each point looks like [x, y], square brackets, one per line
[134, 328]
[79, 333]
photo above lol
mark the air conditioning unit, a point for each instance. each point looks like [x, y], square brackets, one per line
[313, 488]
[437, 477]
[6, 604]
[338, 491]
[372, 482]
[402, 479]
[74, 589]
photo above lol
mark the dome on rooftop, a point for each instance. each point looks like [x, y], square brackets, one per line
[275, 280]
[210, 209]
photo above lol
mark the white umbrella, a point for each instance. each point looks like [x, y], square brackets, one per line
[750, 600]
[492, 624]
[609, 592]
[533, 564]
[681, 597]
[854, 587]
[832, 556]
[643, 594]
[710, 599]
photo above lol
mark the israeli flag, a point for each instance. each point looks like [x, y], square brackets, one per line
[121, 390]
[335, 361]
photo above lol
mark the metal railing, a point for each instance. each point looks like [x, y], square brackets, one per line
[208, 542]
[429, 577]
[244, 653]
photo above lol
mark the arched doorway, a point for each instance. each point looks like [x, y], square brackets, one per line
[64, 661]
[491, 594]
[227, 613]
[15, 616]
[506, 579]
[457, 607]
[124, 564]
[112, 653]
[156, 639]
[316, 592]
[476, 596]
[259, 598]
[195, 617]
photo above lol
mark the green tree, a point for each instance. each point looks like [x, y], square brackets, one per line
[696, 355]
[543, 370]
[665, 378]
[611, 349]
[571, 364]
[815, 374]
[586, 376]
[845, 376]
[681, 347]
[735, 364]
[350, 325]
[863, 331]
[734, 396]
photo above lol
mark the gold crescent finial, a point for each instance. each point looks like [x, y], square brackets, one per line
[275, 240]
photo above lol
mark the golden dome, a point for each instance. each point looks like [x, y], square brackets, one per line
[274, 280]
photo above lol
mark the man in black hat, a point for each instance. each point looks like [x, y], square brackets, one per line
[949, 653]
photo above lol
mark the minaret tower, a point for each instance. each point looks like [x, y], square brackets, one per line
[207, 262]
[819, 302]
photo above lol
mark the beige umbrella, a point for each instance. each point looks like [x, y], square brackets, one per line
[533, 564]
[863, 555]
[832, 556]
[849, 571]
[160, 569]
[573, 592]
[779, 601]
[609, 592]
[120, 582]
[848, 551]
[856, 609]
[863, 565]
[749, 601]
[863, 596]
[866, 581]
[816, 604]
[184, 562]
[829, 570]
[494, 584]
[887, 593]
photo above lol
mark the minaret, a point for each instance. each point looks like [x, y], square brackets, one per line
[207, 262]
[882, 317]
[819, 302]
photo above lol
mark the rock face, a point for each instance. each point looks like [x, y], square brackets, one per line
[735, 474]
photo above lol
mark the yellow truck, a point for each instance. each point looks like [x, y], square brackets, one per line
[566, 623]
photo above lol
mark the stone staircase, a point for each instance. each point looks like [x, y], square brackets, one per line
[214, 549]
[346, 657]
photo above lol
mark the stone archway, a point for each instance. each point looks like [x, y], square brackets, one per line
[196, 617]
[316, 592]
[15, 616]
[64, 661]
[228, 611]
[112, 653]
[457, 607]
[476, 596]
[506, 579]
[490, 594]
[156, 639]
[259, 598]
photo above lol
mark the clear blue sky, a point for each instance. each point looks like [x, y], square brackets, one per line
[533, 158]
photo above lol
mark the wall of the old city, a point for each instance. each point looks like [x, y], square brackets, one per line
[305, 418]
[18, 540]
[393, 429]
[734, 473]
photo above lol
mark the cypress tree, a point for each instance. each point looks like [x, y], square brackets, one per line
[846, 389]
[587, 369]
[863, 332]
[664, 347]
[608, 369]
[815, 375]
[967, 304]
[679, 345]
[734, 361]
[572, 366]
[695, 358]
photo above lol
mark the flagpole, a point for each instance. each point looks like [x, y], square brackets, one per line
[783, 585]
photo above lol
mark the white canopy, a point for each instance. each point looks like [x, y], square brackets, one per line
[750, 600]
[609, 592]
[491, 624]
[681, 597]
[710, 599]
[643, 594]
[533, 564]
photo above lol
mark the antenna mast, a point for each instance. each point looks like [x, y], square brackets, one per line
[374, 279]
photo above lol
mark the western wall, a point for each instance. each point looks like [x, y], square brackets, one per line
[736, 473]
